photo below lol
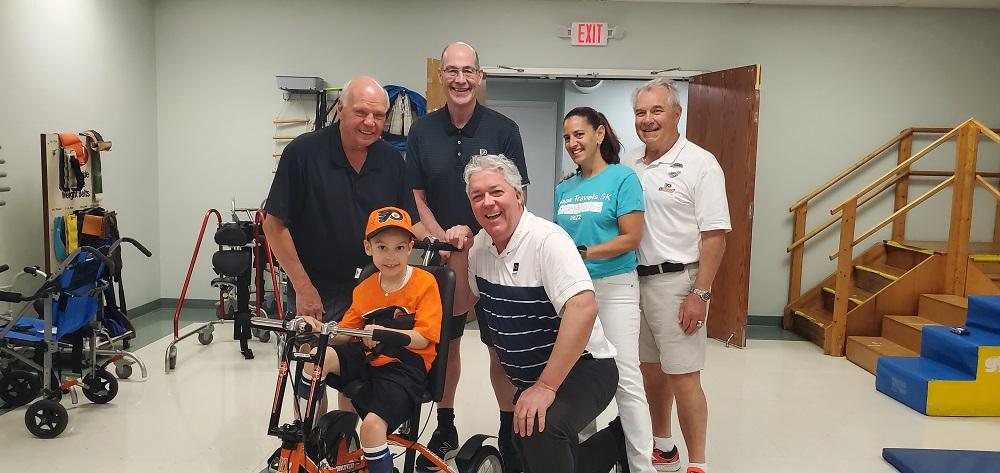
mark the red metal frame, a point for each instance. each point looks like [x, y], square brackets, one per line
[194, 259]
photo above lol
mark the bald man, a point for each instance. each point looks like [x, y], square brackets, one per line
[327, 183]
[438, 147]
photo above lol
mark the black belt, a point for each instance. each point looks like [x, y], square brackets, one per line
[666, 267]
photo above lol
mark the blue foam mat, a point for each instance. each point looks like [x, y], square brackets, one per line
[917, 460]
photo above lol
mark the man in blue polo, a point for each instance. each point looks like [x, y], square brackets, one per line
[438, 147]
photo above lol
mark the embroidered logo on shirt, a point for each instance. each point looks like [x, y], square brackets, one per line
[667, 187]
[516, 265]
[483, 152]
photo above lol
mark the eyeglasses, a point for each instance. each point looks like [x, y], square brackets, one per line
[453, 72]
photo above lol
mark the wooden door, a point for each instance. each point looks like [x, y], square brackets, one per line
[722, 118]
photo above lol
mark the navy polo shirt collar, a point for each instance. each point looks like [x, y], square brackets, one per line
[339, 156]
[469, 130]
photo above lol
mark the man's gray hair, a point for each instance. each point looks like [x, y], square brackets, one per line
[673, 95]
[497, 162]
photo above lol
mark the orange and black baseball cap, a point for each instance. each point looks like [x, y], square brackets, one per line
[388, 217]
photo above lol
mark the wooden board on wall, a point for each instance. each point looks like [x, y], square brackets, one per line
[722, 118]
[55, 202]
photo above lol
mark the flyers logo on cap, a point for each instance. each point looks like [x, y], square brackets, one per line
[389, 214]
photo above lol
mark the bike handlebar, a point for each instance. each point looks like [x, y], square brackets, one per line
[298, 325]
[434, 245]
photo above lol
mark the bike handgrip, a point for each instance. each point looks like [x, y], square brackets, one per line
[391, 337]
[435, 245]
[138, 246]
[4, 267]
[10, 296]
[110, 265]
[31, 269]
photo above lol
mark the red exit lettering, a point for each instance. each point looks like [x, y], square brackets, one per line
[589, 34]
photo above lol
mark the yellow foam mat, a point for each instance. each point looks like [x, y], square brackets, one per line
[969, 398]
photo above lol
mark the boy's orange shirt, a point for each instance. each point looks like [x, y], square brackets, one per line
[419, 296]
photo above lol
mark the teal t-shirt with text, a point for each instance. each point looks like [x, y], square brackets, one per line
[588, 209]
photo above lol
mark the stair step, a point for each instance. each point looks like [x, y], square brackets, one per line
[811, 323]
[903, 256]
[984, 313]
[857, 297]
[873, 277]
[960, 352]
[944, 309]
[865, 351]
[905, 330]
[906, 379]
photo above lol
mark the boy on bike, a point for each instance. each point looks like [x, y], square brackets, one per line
[398, 297]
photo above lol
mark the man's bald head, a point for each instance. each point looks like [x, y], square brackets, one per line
[457, 46]
[364, 87]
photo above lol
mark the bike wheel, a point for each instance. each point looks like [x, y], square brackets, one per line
[486, 460]
[335, 438]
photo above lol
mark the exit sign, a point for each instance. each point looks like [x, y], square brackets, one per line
[589, 34]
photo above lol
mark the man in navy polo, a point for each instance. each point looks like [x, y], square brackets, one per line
[327, 183]
[438, 147]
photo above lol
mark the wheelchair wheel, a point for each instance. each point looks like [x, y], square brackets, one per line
[100, 389]
[18, 388]
[335, 437]
[46, 419]
[486, 460]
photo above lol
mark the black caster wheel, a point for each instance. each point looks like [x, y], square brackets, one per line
[100, 389]
[46, 419]
[264, 336]
[205, 337]
[18, 388]
[123, 370]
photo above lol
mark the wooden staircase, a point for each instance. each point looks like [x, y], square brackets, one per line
[877, 303]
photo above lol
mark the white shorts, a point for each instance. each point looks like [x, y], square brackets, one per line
[661, 338]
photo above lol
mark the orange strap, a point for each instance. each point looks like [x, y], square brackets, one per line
[73, 146]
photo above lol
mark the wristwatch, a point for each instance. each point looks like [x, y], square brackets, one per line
[583, 251]
[703, 294]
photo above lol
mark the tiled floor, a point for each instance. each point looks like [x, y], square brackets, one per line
[777, 406]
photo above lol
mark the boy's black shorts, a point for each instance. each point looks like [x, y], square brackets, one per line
[391, 391]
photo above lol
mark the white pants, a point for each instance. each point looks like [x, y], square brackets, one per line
[618, 308]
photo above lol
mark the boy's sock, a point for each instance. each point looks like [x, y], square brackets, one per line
[378, 459]
[698, 467]
[446, 417]
[664, 443]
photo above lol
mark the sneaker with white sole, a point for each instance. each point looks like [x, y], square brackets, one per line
[666, 461]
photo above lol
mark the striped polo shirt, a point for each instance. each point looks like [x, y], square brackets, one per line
[522, 292]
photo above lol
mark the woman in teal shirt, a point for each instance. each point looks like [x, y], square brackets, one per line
[601, 207]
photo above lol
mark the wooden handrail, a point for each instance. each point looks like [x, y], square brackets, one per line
[991, 133]
[836, 217]
[903, 165]
[874, 154]
[902, 210]
[988, 186]
[949, 173]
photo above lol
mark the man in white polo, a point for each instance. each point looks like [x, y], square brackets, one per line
[684, 237]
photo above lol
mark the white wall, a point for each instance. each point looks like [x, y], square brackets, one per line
[73, 66]
[836, 84]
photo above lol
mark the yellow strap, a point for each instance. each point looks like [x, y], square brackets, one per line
[72, 232]
[852, 299]
[880, 273]
[908, 247]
